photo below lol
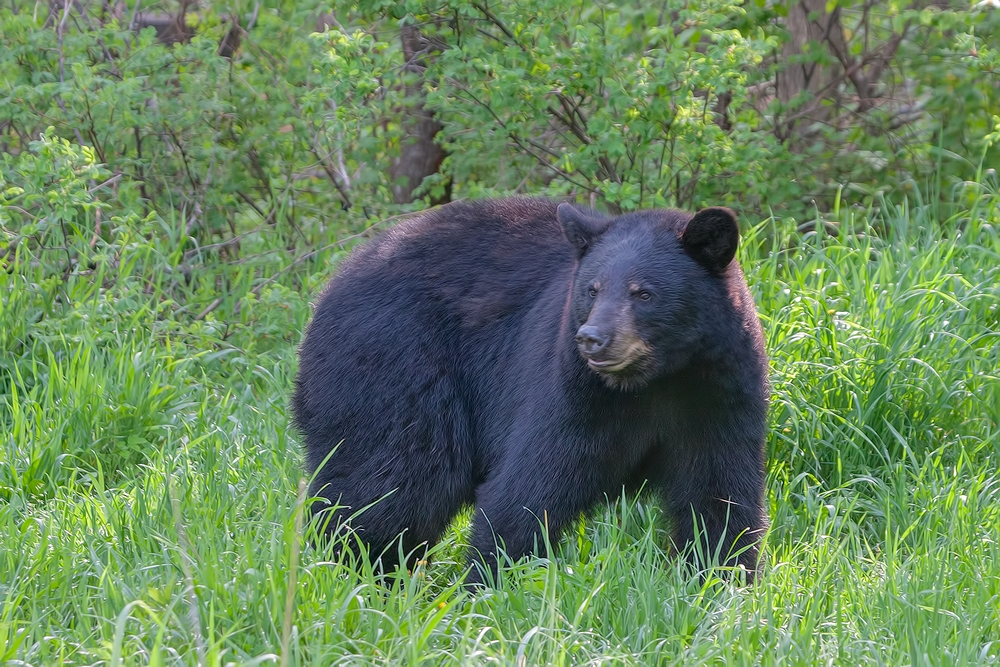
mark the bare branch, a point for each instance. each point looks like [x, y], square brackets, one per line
[498, 23]
[302, 258]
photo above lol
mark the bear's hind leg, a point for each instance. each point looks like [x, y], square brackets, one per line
[398, 487]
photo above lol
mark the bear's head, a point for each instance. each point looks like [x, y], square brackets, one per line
[649, 288]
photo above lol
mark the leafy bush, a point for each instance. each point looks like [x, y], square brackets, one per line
[684, 104]
[98, 350]
[625, 105]
[221, 142]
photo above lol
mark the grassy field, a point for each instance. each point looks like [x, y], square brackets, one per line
[149, 476]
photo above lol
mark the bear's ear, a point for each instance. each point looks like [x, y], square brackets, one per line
[582, 229]
[711, 237]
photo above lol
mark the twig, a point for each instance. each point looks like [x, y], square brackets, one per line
[212, 306]
[309, 255]
[498, 23]
[331, 173]
[135, 13]
[342, 168]
[107, 54]
[9, 250]
[253, 17]
[60, 28]
[105, 183]
[184, 158]
[298, 260]
[193, 221]
[22, 211]
[301, 258]
[97, 229]
[59, 33]
[222, 244]
[245, 197]
[521, 144]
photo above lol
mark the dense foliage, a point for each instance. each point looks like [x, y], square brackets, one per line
[629, 105]
[169, 210]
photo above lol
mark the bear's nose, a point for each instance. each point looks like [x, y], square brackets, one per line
[590, 339]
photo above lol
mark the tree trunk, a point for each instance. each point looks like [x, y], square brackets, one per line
[808, 22]
[419, 155]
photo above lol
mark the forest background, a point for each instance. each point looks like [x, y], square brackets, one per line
[179, 179]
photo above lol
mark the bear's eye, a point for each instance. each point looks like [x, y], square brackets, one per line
[644, 295]
[592, 292]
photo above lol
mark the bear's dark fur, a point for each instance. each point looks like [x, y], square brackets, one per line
[531, 359]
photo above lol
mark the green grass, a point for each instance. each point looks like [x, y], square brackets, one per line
[148, 481]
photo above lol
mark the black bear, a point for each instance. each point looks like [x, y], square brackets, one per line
[532, 359]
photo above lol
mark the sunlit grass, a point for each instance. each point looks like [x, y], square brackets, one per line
[140, 448]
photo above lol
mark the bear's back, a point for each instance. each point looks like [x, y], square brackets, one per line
[475, 261]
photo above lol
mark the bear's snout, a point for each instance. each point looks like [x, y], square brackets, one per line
[591, 340]
[611, 346]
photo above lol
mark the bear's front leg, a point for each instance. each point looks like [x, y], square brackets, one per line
[715, 493]
[537, 489]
